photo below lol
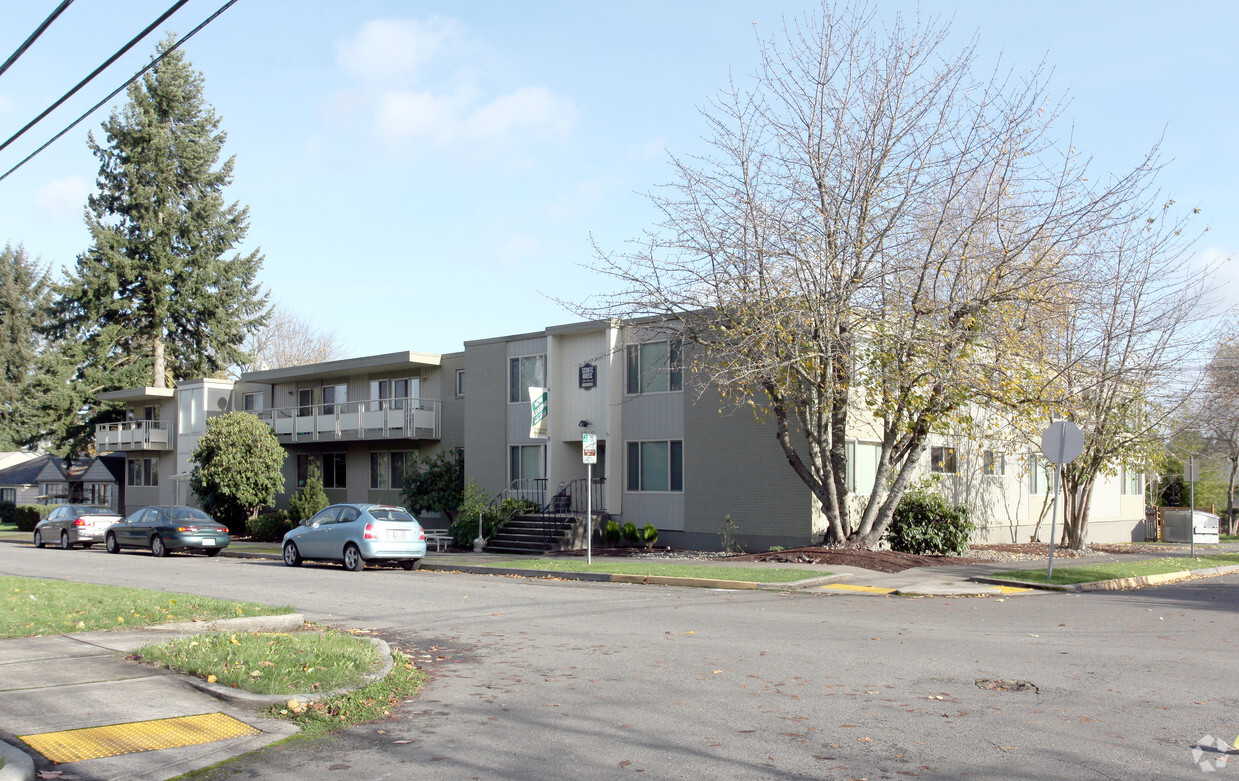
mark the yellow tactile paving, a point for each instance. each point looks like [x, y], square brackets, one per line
[866, 589]
[113, 740]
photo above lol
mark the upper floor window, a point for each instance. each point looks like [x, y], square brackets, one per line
[460, 382]
[942, 459]
[523, 372]
[191, 410]
[333, 395]
[251, 402]
[1132, 482]
[993, 462]
[655, 367]
[150, 413]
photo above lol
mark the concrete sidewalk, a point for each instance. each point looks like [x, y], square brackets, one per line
[123, 720]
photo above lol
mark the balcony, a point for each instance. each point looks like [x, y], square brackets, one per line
[404, 418]
[150, 435]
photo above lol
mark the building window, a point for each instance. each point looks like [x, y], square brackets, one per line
[380, 392]
[862, 465]
[143, 472]
[191, 410]
[150, 413]
[399, 392]
[655, 367]
[529, 370]
[8, 495]
[305, 402]
[252, 402]
[333, 395]
[379, 471]
[1133, 482]
[993, 462]
[942, 459]
[656, 466]
[399, 460]
[334, 470]
[1040, 475]
[526, 464]
[460, 382]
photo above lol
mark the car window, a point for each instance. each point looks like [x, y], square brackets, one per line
[187, 514]
[391, 514]
[327, 516]
[150, 516]
[135, 516]
[93, 511]
[349, 514]
[55, 516]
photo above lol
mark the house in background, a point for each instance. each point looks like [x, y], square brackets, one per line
[48, 479]
[664, 457]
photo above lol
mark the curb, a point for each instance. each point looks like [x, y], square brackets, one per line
[244, 699]
[284, 622]
[18, 766]
[1118, 584]
[644, 580]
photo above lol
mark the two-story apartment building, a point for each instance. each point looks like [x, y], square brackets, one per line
[664, 455]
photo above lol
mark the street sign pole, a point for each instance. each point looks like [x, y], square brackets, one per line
[1061, 443]
[589, 454]
[1191, 470]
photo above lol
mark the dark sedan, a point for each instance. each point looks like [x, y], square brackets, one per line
[166, 529]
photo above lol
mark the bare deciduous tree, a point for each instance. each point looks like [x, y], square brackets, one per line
[288, 340]
[1218, 413]
[875, 228]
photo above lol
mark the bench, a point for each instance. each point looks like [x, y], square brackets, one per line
[439, 537]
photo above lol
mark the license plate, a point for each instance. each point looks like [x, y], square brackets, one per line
[208, 542]
[397, 534]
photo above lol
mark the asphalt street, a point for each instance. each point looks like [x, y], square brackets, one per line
[546, 679]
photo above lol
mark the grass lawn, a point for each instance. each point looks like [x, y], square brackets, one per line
[664, 569]
[31, 606]
[1224, 537]
[269, 663]
[1090, 573]
[8, 527]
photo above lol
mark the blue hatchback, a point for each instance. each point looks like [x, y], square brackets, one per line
[355, 534]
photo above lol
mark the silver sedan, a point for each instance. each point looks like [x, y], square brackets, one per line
[74, 524]
[355, 534]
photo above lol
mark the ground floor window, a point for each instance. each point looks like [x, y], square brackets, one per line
[1040, 475]
[993, 462]
[331, 469]
[942, 459]
[1132, 482]
[8, 495]
[526, 463]
[656, 466]
[143, 471]
[387, 468]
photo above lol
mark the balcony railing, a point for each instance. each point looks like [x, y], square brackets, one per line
[133, 435]
[403, 418]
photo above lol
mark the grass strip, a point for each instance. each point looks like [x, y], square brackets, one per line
[32, 606]
[368, 704]
[1091, 573]
[268, 663]
[664, 569]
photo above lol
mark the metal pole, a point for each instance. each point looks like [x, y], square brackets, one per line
[1058, 473]
[589, 513]
[1191, 524]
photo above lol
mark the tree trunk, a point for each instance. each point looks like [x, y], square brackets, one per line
[160, 364]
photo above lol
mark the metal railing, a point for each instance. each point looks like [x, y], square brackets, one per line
[133, 435]
[401, 418]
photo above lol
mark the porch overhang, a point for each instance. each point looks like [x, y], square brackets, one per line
[397, 361]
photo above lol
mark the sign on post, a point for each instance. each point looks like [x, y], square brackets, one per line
[1061, 443]
[589, 448]
[589, 456]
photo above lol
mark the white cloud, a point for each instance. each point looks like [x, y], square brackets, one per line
[63, 198]
[396, 49]
[417, 94]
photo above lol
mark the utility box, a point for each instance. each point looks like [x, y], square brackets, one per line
[1189, 526]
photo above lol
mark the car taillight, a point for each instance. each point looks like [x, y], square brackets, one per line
[421, 535]
[370, 535]
[80, 522]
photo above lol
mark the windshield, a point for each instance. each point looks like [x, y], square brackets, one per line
[187, 514]
[94, 511]
[391, 514]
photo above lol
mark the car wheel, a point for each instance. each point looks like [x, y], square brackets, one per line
[292, 556]
[64, 541]
[109, 544]
[353, 562]
[411, 564]
[212, 552]
[38, 539]
[158, 548]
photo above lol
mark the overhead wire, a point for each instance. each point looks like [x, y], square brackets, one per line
[116, 91]
[34, 36]
[133, 42]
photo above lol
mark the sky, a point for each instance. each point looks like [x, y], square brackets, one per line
[422, 174]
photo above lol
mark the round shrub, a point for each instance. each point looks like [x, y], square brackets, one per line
[926, 524]
[268, 527]
[650, 535]
[27, 516]
[611, 533]
[630, 533]
[7, 511]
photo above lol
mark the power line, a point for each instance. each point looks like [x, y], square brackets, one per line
[34, 36]
[116, 91]
[133, 42]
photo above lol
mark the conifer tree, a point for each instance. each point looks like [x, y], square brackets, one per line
[23, 302]
[161, 292]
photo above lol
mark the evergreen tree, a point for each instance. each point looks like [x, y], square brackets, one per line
[24, 297]
[161, 292]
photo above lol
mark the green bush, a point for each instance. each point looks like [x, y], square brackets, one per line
[268, 527]
[465, 528]
[650, 535]
[7, 511]
[630, 533]
[611, 533]
[926, 524]
[27, 516]
[310, 498]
